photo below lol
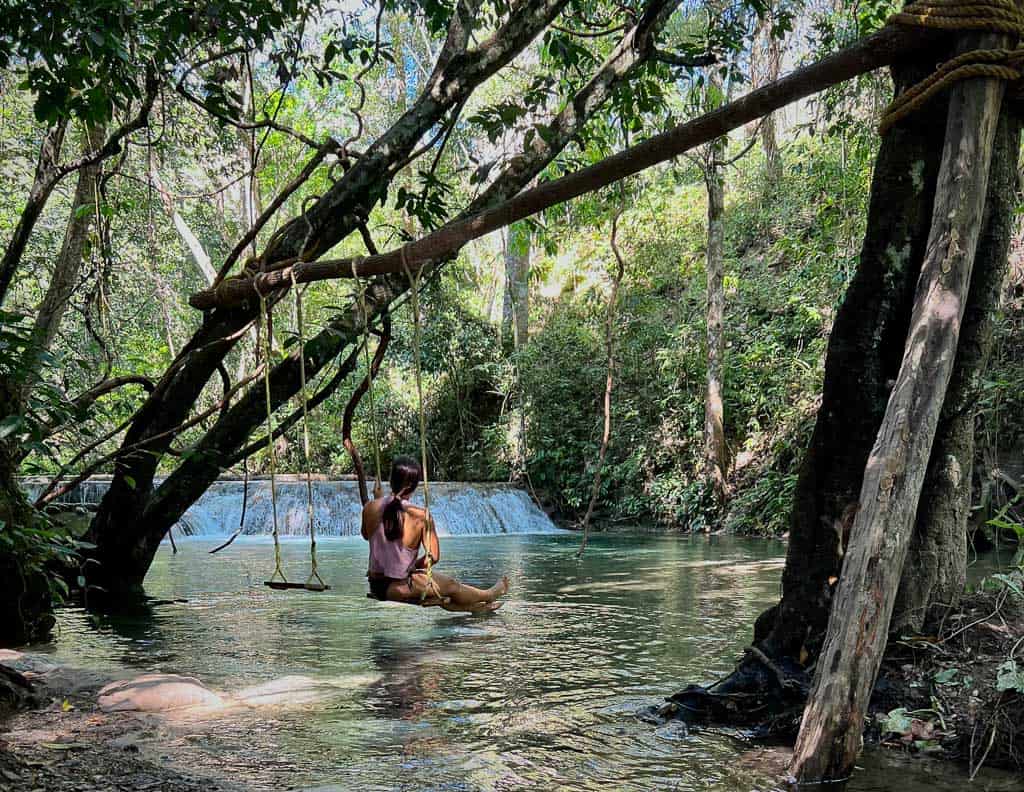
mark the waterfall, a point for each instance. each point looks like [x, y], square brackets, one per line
[459, 508]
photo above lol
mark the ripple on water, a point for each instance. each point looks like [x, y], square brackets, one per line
[542, 695]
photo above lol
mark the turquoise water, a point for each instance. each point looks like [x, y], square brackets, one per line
[541, 695]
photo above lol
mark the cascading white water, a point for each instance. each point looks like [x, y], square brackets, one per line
[459, 509]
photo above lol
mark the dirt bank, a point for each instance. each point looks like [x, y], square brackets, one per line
[941, 694]
[68, 744]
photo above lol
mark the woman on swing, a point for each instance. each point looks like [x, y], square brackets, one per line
[395, 530]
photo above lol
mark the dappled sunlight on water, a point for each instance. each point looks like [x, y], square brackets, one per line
[541, 695]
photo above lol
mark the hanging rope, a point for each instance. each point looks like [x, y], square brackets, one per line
[996, 16]
[268, 315]
[417, 337]
[361, 289]
[314, 582]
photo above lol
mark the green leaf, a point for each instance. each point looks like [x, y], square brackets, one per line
[896, 722]
[1010, 677]
[10, 425]
[946, 676]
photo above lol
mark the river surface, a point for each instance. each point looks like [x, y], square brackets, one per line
[541, 695]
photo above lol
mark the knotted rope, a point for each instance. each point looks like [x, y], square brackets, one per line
[314, 582]
[417, 340]
[995, 16]
[267, 314]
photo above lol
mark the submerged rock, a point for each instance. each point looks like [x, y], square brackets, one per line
[156, 693]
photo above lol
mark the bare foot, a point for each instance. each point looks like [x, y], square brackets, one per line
[502, 587]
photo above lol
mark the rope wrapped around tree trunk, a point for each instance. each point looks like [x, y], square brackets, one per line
[997, 16]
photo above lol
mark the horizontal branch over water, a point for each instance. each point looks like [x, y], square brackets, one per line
[890, 44]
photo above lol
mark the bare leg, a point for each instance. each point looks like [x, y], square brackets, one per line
[460, 596]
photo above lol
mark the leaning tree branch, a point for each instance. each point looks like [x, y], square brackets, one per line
[86, 399]
[114, 143]
[685, 61]
[49, 174]
[39, 193]
[880, 49]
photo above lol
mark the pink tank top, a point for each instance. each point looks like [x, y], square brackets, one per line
[390, 559]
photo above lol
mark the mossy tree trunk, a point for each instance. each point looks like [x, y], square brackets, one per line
[863, 359]
[26, 609]
[833, 721]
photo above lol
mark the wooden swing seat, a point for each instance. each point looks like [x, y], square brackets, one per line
[279, 585]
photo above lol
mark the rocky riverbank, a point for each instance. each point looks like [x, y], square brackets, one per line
[91, 732]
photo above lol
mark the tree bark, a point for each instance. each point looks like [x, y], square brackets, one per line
[39, 193]
[766, 67]
[861, 363]
[830, 733]
[936, 567]
[68, 267]
[715, 452]
[515, 323]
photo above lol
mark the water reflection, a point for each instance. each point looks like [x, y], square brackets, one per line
[541, 695]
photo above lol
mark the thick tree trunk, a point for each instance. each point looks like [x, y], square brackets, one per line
[26, 609]
[515, 324]
[25, 600]
[862, 361]
[715, 452]
[832, 726]
[936, 566]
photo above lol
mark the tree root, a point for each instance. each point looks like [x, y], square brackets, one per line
[16, 691]
[763, 695]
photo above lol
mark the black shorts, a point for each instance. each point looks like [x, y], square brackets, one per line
[379, 586]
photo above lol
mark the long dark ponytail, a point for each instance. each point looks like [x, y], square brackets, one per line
[406, 474]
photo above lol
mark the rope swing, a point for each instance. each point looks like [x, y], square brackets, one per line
[314, 582]
[417, 337]
[278, 580]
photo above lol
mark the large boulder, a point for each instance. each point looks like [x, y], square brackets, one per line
[156, 693]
